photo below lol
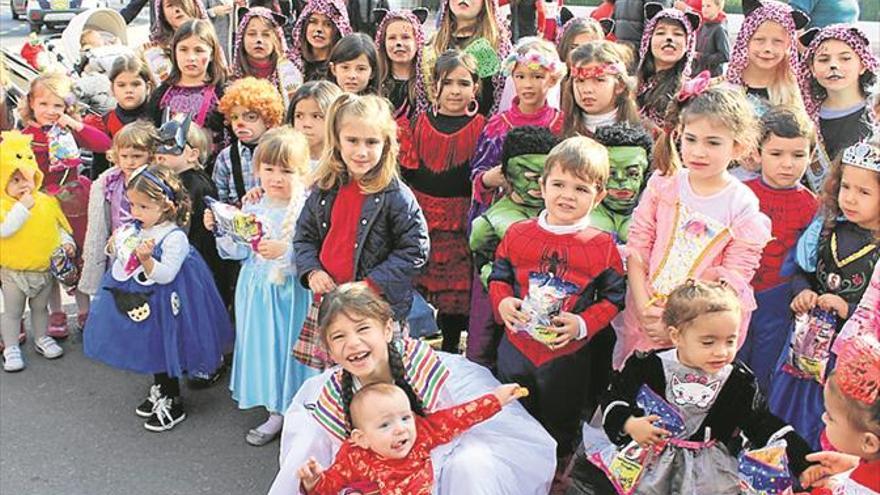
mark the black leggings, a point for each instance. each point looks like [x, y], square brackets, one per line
[451, 326]
[169, 386]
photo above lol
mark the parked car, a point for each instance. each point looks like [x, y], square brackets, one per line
[19, 8]
[56, 13]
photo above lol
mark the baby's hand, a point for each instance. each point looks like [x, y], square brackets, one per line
[804, 302]
[144, 251]
[493, 177]
[509, 310]
[835, 303]
[643, 431]
[208, 219]
[510, 392]
[310, 473]
[830, 463]
[27, 200]
[69, 122]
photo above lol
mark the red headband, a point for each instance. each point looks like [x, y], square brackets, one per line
[596, 70]
[858, 369]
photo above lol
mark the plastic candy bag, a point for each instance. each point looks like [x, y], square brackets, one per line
[63, 268]
[63, 150]
[158, 62]
[765, 471]
[243, 228]
[289, 76]
[811, 345]
[544, 301]
[125, 240]
[627, 468]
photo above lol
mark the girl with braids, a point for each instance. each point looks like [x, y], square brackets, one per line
[842, 70]
[320, 25]
[400, 41]
[764, 59]
[159, 311]
[665, 56]
[693, 219]
[509, 453]
[476, 27]
[270, 305]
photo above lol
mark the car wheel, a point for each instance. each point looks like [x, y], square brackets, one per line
[36, 27]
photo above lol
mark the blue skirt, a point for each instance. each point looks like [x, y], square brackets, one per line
[269, 318]
[798, 401]
[768, 333]
[177, 328]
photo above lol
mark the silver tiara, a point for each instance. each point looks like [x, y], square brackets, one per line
[862, 155]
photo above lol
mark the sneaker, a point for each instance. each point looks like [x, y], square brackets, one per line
[167, 413]
[12, 359]
[58, 325]
[22, 337]
[204, 380]
[145, 410]
[48, 348]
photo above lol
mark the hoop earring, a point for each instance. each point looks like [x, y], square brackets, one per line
[469, 112]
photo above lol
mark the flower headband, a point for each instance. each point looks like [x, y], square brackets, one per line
[594, 71]
[150, 176]
[858, 369]
[694, 87]
[533, 60]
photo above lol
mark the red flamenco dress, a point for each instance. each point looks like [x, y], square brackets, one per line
[435, 163]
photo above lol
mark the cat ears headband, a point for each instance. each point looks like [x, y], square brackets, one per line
[279, 19]
[800, 19]
[654, 8]
[566, 15]
[172, 137]
[421, 14]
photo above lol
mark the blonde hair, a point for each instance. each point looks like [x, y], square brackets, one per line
[139, 134]
[57, 83]
[286, 148]
[241, 58]
[258, 95]
[695, 298]
[360, 399]
[376, 111]
[196, 138]
[582, 157]
[721, 101]
[598, 52]
[486, 28]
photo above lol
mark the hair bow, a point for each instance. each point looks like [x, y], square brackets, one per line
[694, 87]
[593, 71]
[858, 369]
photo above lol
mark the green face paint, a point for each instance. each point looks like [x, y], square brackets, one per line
[524, 174]
[628, 167]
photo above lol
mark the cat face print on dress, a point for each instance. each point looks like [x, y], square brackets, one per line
[695, 390]
[135, 305]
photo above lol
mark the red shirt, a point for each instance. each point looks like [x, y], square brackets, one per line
[337, 250]
[790, 211]
[414, 474]
[588, 259]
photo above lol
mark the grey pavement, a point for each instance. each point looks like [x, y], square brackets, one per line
[68, 427]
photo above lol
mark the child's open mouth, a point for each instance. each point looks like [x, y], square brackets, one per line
[400, 444]
[358, 358]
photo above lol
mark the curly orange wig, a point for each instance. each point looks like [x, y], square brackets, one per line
[257, 95]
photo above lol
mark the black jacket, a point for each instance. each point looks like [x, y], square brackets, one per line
[739, 406]
[392, 241]
[713, 47]
[629, 21]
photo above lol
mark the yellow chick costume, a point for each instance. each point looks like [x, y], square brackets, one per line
[30, 247]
